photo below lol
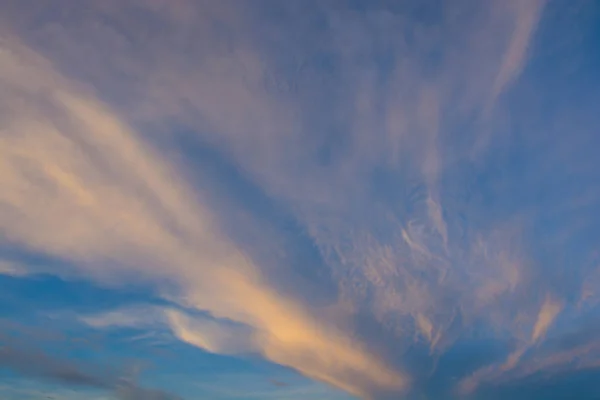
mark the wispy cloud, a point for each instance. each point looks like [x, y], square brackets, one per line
[344, 189]
[113, 223]
[548, 313]
[36, 363]
[12, 269]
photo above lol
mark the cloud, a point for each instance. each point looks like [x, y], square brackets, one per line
[128, 392]
[134, 317]
[548, 313]
[36, 363]
[123, 214]
[527, 15]
[39, 364]
[12, 269]
[212, 336]
[389, 145]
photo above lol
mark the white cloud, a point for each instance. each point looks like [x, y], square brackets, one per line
[12, 269]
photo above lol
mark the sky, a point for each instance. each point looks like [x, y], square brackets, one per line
[303, 199]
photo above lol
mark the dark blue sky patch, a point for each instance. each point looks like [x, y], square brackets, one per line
[28, 295]
[238, 200]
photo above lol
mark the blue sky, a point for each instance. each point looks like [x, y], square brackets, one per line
[325, 200]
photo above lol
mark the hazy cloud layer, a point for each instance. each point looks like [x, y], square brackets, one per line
[36, 363]
[358, 191]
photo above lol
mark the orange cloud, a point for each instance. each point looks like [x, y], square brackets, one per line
[78, 183]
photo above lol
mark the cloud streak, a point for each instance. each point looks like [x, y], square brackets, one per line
[36, 363]
[143, 221]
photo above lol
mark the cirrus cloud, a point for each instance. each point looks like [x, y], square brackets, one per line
[350, 190]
